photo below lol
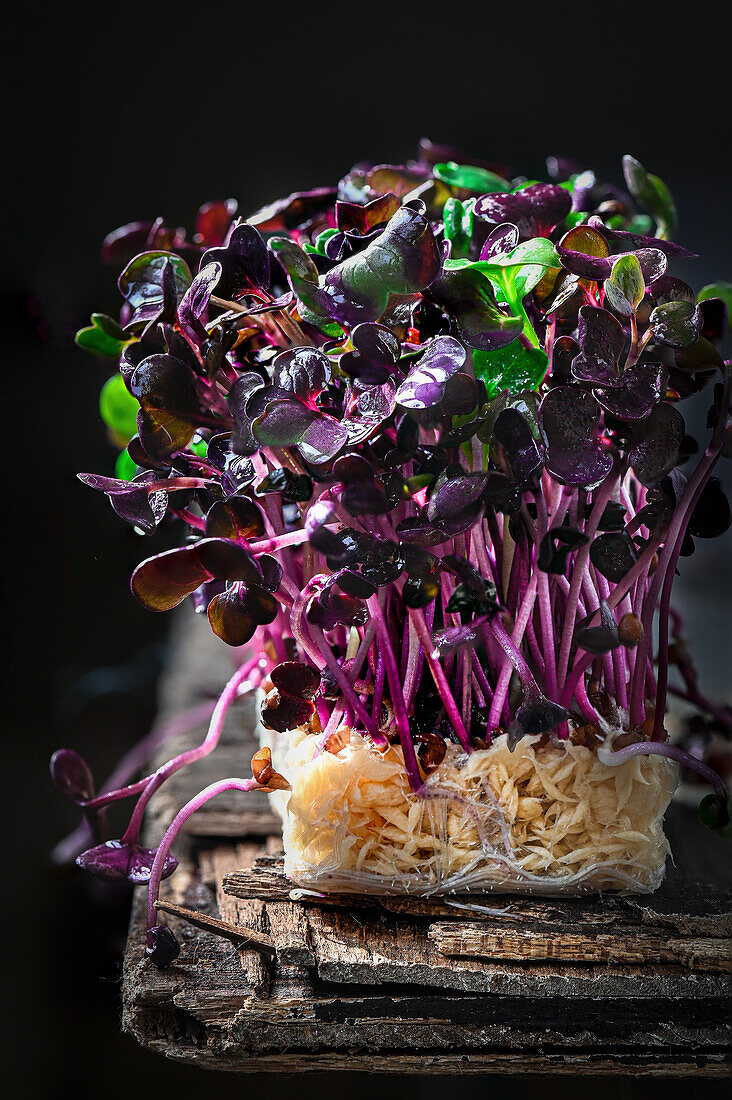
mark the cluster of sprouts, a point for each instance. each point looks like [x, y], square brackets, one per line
[421, 436]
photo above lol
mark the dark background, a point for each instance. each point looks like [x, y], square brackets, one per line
[153, 109]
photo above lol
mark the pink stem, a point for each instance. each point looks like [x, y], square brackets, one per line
[156, 872]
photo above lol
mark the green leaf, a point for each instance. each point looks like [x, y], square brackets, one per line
[119, 409]
[515, 274]
[654, 194]
[573, 220]
[198, 447]
[321, 241]
[538, 252]
[469, 177]
[721, 290]
[466, 294]
[513, 368]
[103, 337]
[626, 286]
[125, 467]
[641, 224]
[458, 219]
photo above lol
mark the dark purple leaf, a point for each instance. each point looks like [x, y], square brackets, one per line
[302, 371]
[656, 442]
[165, 948]
[293, 488]
[569, 419]
[164, 581]
[601, 341]
[676, 324]
[376, 352]
[613, 554]
[636, 240]
[424, 386]
[244, 262]
[196, 299]
[165, 383]
[282, 711]
[556, 546]
[236, 613]
[402, 260]
[115, 860]
[72, 775]
[237, 518]
[456, 494]
[152, 284]
[512, 431]
[296, 679]
[294, 210]
[535, 717]
[535, 210]
[638, 390]
[499, 241]
[602, 638]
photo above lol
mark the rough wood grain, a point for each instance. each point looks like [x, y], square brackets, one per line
[344, 993]
[625, 946]
[290, 932]
[214, 865]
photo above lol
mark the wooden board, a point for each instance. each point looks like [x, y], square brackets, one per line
[503, 985]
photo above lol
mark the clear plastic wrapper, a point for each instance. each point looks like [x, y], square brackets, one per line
[541, 820]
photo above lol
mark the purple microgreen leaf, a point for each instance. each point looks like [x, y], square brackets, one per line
[72, 775]
[237, 518]
[115, 860]
[302, 371]
[635, 392]
[243, 261]
[194, 302]
[613, 554]
[164, 581]
[601, 341]
[556, 546]
[424, 386]
[296, 678]
[164, 949]
[576, 453]
[236, 612]
[535, 210]
[656, 443]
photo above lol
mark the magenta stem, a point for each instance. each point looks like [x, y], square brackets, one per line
[600, 499]
[156, 872]
[438, 675]
[397, 698]
[672, 752]
[227, 697]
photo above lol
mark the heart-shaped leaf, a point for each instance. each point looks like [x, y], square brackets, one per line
[103, 337]
[626, 286]
[424, 386]
[576, 454]
[514, 368]
[656, 444]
